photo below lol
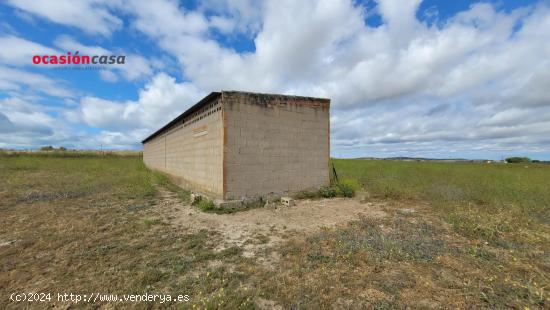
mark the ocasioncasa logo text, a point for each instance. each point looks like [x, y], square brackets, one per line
[76, 59]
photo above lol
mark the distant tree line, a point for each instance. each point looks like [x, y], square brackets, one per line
[51, 148]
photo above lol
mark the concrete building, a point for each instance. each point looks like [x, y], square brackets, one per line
[234, 145]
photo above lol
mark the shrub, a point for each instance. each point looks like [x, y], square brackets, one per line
[205, 205]
[328, 192]
[518, 160]
[347, 188]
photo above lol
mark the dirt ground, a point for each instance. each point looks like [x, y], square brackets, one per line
[261, 229]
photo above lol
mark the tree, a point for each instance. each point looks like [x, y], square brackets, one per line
[518, 160]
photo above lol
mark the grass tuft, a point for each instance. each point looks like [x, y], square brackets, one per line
[205, 205]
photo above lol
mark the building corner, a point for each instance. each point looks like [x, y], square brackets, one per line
[224, 152]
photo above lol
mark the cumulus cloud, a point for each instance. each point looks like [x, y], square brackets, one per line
[22, 123]
[164, 18]
[161, 100]
[21, 51]
[12, 79]
[400, 18]
[245, 15]
[91, 16]
[223, 24]
[28, 125]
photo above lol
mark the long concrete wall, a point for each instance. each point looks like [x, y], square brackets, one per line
[274, 144]
[191, 151]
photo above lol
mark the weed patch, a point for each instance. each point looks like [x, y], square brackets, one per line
[205, 205]
[398, 240]
[345, 188]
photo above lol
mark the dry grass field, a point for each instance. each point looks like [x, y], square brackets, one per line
[417, 234]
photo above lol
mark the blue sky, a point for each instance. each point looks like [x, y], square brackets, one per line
[416, 78]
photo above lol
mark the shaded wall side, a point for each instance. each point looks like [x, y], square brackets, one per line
[275, 145]
[192, 151]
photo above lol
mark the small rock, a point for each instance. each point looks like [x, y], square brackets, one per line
[10, 242]
[195, 198]
[287, 201]
[406, 211]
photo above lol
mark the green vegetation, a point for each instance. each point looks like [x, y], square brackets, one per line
[205, 205]
[163, 180]
[61, 152]
[479, 237]
[518, 160]
[344, 188]
[347, 188]
[484, 201]
[405, 261]
[37, 179]
[91, 224]
[50, 148]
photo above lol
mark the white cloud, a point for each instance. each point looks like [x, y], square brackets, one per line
[19, 51]
[400, 18]
[21, 123]
[108, 76]
[223, 24]
[246, 15]
[164, 18]
[121, 140]
[22, 81]
[161, 100]
[28, 125]
[91, 16]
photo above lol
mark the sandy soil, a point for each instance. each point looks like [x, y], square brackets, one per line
[259, 229]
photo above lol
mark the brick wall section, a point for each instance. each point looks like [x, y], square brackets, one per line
[274, 144]
[191, 151]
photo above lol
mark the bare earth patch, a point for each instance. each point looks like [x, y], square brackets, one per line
[258, 230]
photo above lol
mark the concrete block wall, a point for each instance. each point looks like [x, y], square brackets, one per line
[154, 153]
[274, 144]
[247, 145]
[191, 151]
